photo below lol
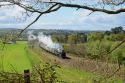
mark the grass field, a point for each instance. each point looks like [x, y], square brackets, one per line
[17, 57]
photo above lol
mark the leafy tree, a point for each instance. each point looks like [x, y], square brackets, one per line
[60, 38]
[81, 38]
[117, 30]
[95, 36]
[46, 74]
[72, 39]
[107, 33]
[117, 37]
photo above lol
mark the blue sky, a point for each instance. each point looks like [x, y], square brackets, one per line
[65, 18]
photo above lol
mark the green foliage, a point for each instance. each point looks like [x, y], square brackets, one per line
[117, 30]
[76, 49]
[47, 73]
[107, 33]
[77, 38]
[121, 58]
[6, 77]
[60, 38]
[72, 39]
[95, 36]
[99, 79]
[116, 37]
[18, 55]
[98, 50]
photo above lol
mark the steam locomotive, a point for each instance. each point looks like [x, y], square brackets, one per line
[51, 49]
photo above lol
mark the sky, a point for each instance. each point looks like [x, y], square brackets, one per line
[64, 18]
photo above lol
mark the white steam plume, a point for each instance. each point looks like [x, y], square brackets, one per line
[47, 40]
[31, 37]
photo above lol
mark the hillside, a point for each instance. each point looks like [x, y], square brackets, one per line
[18, 57]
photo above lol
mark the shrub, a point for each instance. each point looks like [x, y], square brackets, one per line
[98, 50]
[77, 49]
[46, 73]
[95, 36]
[117, 37]
[41, 74]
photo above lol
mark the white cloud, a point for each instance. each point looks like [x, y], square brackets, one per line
[15, 12]
[65, 18]
[10, 13]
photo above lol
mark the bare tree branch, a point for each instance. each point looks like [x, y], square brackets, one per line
[29, 25]
[47, 11]
[114, 2]
[6, 5]
[89, 8]
[119, 67]
[117, 46]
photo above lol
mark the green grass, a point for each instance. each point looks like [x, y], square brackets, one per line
[93, 44]
[71, 75]
[75, 76]
[18, 57]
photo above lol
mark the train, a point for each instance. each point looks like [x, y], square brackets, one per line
[45, 42]
[56, 49]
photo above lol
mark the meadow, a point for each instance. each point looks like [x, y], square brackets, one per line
[17, 58]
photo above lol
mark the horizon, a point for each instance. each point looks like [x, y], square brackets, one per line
[53, 29]
[64, 18]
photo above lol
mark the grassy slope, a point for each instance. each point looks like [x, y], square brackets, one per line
[70, 74]
[17, 57]
[21, 59]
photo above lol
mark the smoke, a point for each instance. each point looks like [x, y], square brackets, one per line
[31, 37]
[45, 39]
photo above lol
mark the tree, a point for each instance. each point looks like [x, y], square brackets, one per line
[117, 37]
[72, 39]
[107, 33]
[61, 38]
[117, 30]
[81, 37]
[95, 36]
